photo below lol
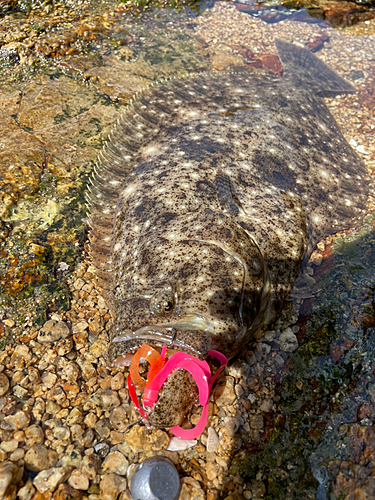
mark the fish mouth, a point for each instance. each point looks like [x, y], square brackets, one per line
[179, 334]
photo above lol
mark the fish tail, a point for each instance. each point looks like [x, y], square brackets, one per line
[303, 69]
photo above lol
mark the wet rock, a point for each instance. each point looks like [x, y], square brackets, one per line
[20, 420]
[256, 422]
[141, 439]
[52, 331]
[231, 424]
[78, 480]
[4, 384]
[49, 479]
[288, 341]
[239, 369]
[266, 406]
[116, 462]
[191, 490]
[111, 486]
[22, 160]
[212, 440]
[316, 258]
[39, 457]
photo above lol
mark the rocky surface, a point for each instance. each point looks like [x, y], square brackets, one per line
[67, 426]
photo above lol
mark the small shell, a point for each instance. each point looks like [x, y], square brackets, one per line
[212, 440]
[178, 444]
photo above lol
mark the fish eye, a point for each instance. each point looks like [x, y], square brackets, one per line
[168, 306]
[163, 304]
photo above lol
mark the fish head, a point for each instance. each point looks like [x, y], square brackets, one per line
[200, 283]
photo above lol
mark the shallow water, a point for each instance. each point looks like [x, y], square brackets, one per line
[66, 79]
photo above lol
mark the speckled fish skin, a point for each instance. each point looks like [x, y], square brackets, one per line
[208, 196]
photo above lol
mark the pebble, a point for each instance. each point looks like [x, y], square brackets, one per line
[74, 417]
[288, 341]
[118, 382]
[111, 486]
[212, 440]
[115, 462]
[256, 422]
[316, 258]
[9, 446]
[191, 490]
[212, 470]
[263, 348]
[71, 458]
[232, 425]
[19, 420]
[224, 396]
[33, 435]
[266, 406]
[17, 454]
[7, 472]
[78, 480]
[110, 399]
[141, 439]
[27, 491]
[70, 372]
[52, 331]
[4, 384]
[178, 444]
[61, 432]
[239, 369]
[49, 379]
[90, 420]
[80, 327]
[49, 479]
[89, 466]
[39, 457]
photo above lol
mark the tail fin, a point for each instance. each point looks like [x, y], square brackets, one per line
[304, 69]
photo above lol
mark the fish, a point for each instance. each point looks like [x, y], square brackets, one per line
[210, 193]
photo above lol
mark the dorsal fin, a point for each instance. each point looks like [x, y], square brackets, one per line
[303, 68]
[138, 124]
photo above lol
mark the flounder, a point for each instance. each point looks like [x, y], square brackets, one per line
[209, 194]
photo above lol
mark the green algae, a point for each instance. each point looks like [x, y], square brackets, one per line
[68, 103]
[322, 379]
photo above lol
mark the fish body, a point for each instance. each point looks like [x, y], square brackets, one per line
[208, 196]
